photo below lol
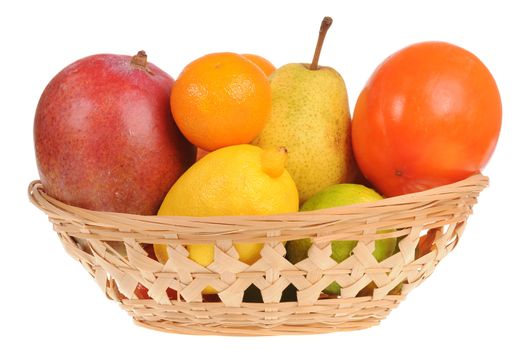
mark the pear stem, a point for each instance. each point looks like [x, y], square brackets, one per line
[324, 26]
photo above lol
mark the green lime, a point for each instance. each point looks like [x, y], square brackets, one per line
[334, 196]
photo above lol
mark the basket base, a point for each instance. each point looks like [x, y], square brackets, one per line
[315, 328]
[258, 319]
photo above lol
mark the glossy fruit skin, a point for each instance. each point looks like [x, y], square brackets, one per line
[229, 181]
[221, 99]
[429, 115]
[105, 138]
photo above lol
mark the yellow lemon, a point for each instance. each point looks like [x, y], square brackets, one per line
[235, 180]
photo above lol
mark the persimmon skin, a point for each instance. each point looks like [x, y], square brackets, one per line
[429, 115]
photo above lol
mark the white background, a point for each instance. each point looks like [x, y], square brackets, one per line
[475, 298]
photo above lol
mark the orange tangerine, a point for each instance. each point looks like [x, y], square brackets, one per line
[221, 99]
[261, 62]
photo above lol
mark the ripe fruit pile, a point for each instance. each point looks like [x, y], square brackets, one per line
[232, 135]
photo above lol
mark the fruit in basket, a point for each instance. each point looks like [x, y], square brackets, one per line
[267, 67]
[141, 292]
[221, 99]
[201, 153]
[104, 136]
[334, 196]
[234, 180]
[426, 242]
[429, 115]
[310, 117]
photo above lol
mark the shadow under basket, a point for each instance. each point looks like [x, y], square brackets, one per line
[116, 249]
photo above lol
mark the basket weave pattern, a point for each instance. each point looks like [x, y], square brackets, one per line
[111, 248]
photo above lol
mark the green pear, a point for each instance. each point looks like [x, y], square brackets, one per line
[310, 116]
[334, 196]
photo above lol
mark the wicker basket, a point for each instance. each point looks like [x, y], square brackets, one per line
[437, 215]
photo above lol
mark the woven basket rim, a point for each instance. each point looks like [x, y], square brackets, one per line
[258, 228]
[478, 180]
